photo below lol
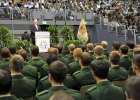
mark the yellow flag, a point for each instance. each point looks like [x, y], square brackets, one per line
[82, 31]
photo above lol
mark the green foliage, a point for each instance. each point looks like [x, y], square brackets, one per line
[67, 33]
[22, 44]
[76, 42]
[54, 32]
[6, 37]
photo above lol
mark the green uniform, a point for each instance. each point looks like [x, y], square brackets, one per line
[83, 77]
[117, 73]
[4, 65]
[73, 67]
[130, 54]
[44, 83]
[105, 90]
[22, 87]
[70, 57]
[8, 98]
[125, 62]
[64, 60]
[101, 58]
[30, 71]
[43, 71]
[46, 94]
[92, 55]
[106, 52]
[30, 58]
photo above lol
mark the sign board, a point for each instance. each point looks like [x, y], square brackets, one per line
[42, 40]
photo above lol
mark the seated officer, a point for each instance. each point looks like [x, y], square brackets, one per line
[131, 46]
[22, 87]
[5, 54]
[116, 46]
[44, 83]
[69, 56]
[5, 86]
[132, 88]
[98, 52]
[36, 61]
[57, 75]
[60, 57]
[104, 44]
[26, 36]
[12, 50]
[89, 48]
[104, 90]
[84, 75]
[28, 70]
[125, 61]
[116, 72]
[74, 66]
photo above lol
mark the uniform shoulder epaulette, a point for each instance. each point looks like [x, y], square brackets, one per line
[44, 78]
[71, 90]
[42, 93]
[76, 72]
[92, 88]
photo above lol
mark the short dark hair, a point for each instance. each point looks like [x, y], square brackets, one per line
[58, 71]
[35, 50]
[16, 63]
[60, 48]
[23, 53]
[116, 45]
[5, 53]
[51, 58]
[85, 58]
[114, 57]
[100, 69]
[5, 82]
[132, 87]
[124, 49]
[130, 44]
[136, 60]
[12, 49]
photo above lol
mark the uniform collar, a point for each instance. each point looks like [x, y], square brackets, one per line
[86, 68]
[104, 82]
[18, 76]
[55, 88]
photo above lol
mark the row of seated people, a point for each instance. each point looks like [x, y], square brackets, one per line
[72, 71]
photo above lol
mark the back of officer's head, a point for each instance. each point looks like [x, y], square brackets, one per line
[23, 53]
[5, 82]
[136, 50]
[16, 63]
[12, 49]
[104, 44]
[100, 69]
[116, 45]
[5, 53]
[130, 44]
[89, 46]
[77, 52]
[58, 71]
[53, 50]
[51, 58]
[59, 47]
[136, 61]
[71, 47]
[124, 49]
[98, 50]
[114, 57]
[35, 51]
[132, 88]
[85, 59]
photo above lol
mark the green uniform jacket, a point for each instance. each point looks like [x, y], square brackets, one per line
[130, 54]
[101, 58]
[83, 77]
[105, 90]
[117, 73]
[30, 71]
[9, 98]
[46, 94]
[73, 67]
[44, 83]
[64, 60]
[43, 71]
[125, 62]
[22, 87]
[106, 53]
[70, 57]
[4, 65]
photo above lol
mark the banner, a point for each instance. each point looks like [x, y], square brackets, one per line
[82, 31]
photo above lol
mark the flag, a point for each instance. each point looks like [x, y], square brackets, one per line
[82, 31]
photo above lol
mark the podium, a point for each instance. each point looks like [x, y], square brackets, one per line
[42, 40]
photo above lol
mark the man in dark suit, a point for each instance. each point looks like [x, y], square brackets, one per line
[34, 28]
